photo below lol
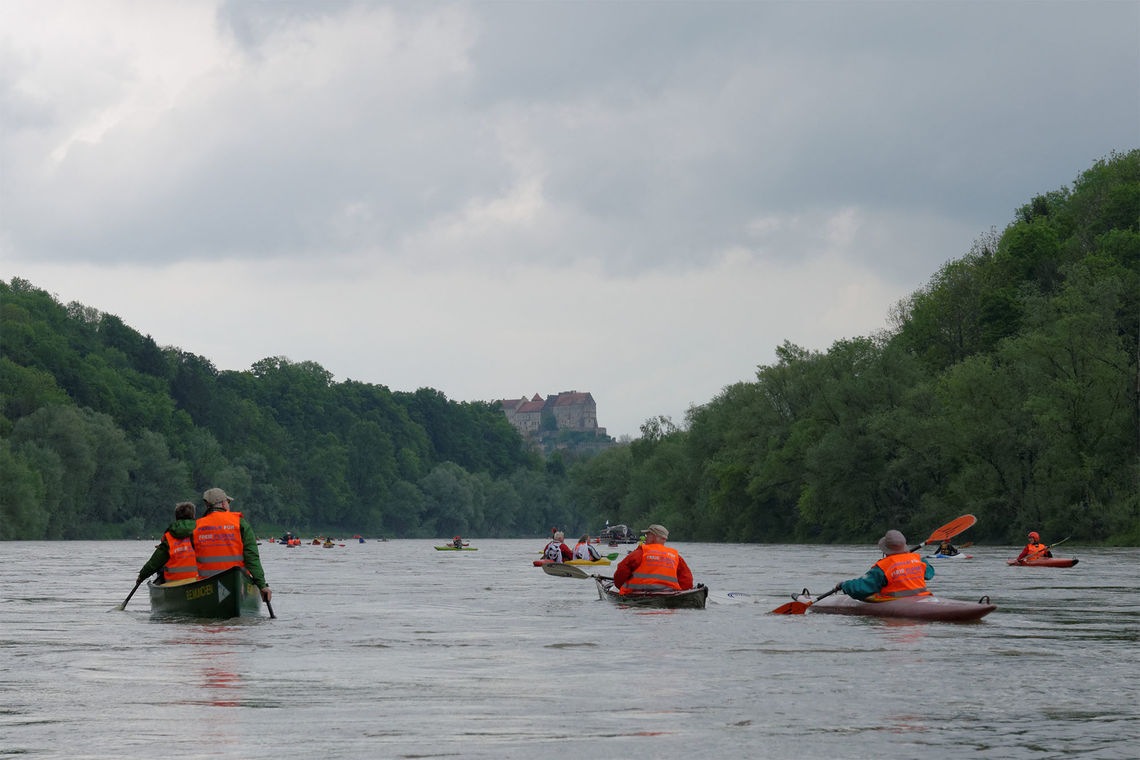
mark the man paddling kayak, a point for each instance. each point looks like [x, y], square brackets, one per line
[653, 566]
[900, 573]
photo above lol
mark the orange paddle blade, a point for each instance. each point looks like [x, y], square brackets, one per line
[951, 529]
[791, 608]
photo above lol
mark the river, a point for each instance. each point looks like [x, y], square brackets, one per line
[394, 650]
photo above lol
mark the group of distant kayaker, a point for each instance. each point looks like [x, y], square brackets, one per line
[556, 549]
[216, 541]
[652, 566]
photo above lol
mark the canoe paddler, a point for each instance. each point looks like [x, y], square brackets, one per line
[174, 558]
[224, 539]
[653, 566]
[900, 573]
[1034, 549]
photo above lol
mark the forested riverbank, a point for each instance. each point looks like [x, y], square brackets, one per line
[1007, 386]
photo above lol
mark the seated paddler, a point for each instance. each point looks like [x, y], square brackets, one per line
[899, 574]
[174, 558]
[653, 566]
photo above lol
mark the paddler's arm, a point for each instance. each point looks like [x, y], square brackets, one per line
[626, 567]
[684, 574]
[157, 561]
[861, 588]
[250, 556]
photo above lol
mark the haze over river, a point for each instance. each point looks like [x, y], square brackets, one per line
[394, 650]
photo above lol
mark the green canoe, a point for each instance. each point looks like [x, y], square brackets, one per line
[453, 549]
[231, 593]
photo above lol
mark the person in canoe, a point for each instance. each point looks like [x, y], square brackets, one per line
[946, 549]
[174, 558]
[222, 543]
[557, 550]
[457, 542]
[1034, 549]
[900, 573]
[653, 566]
[585, 550]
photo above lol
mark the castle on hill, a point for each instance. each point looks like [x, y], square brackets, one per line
[565, 412]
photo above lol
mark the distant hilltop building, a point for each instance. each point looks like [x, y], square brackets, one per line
[550, 420]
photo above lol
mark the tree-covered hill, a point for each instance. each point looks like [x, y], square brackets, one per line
[1008, 387]
[102, 431]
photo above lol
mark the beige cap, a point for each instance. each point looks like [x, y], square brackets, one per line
[215, 496]
[656, 529]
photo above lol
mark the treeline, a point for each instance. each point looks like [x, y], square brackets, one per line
[102, 432]
[1008, 387]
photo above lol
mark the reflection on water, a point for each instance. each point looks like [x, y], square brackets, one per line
[395, 650]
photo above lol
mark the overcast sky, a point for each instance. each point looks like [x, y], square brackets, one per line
[496, 199]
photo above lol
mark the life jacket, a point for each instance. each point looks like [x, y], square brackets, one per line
[905, 577]
[657, 571]
[1037, 551]
[183, 562]
[582, 551]
[553, 551]
[217, 540]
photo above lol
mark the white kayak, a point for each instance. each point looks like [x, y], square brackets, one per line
[913, 607]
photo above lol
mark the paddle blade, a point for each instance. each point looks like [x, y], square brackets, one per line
[563, 570]
[951, 529]
[791, 608]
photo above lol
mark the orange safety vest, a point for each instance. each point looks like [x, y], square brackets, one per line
[657, 571]
[183, 562]
[217, 539]
[1036, 551]
[905, 577]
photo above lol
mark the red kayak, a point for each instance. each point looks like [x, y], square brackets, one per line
[1045, 562]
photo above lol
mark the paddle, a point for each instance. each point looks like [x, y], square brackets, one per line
[949, 530]
[138, 583]
[1023, 560]
[269, 606]
[799, 608]
[563, 570]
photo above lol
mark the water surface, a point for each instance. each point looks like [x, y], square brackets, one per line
[391, 649]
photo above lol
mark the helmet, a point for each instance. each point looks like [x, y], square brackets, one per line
[1033, 536]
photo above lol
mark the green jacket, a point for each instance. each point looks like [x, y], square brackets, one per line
[183, 528]
[873, 580]
[157, 561]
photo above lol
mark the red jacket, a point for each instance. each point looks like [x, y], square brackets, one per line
[633, 560]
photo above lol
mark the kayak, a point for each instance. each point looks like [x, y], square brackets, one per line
[912, 608]
[602, 561]
[949, 556]
[690, 599]
[453, 549]
[1046, 562]
[228, 594]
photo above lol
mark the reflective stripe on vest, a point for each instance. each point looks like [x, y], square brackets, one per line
[217, 540]
[183, 562]
[657, 571]
[905, 577]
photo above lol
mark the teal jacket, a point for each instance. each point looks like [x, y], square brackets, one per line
[157, 561]
[873, 580]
